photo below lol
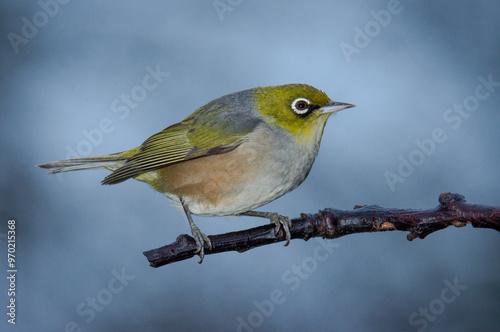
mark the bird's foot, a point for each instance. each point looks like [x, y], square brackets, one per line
[198, 235]
[200, 239]
[281, 221]
[277, 219]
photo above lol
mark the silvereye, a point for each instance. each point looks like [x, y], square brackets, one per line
[233, 155]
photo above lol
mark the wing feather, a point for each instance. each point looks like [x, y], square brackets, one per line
[170, 146]
[217, 127]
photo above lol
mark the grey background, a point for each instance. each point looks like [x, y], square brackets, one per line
[73, 233]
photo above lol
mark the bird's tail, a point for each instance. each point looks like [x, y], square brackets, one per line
[109, 161]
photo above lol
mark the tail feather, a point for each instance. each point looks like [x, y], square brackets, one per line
[110, 161]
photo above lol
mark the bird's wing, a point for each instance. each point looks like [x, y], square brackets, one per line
[192, 138]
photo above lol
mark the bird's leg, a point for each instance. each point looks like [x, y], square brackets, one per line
[198, 235]
[277, 219]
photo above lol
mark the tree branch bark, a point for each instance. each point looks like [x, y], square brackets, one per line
[333, 223]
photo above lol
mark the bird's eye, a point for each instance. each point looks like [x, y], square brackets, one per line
[300, 106]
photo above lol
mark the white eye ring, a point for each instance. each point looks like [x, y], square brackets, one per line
[301, 106]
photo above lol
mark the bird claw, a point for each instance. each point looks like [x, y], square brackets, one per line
[200, 238]
[198, 235]
[281, 221]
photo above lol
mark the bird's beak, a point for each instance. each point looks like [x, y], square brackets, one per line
[334, 106]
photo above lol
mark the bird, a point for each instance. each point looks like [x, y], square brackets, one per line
[230, 156]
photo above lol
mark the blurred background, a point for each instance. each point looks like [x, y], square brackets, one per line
[88, 77]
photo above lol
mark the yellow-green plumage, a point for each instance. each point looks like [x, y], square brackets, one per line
[272, 99]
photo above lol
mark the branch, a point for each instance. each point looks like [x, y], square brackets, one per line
[333, 223]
